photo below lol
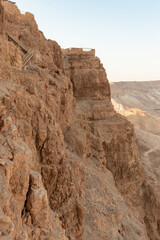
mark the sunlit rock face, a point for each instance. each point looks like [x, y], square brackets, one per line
[69, 166]
[111, 155]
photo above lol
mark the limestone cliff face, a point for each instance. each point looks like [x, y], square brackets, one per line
[36, 104]
[113, 132]
[69, 164]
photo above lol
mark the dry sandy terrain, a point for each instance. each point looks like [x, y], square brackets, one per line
[140, 103]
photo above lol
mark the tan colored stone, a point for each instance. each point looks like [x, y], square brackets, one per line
[70, 166]
[6, 227]
[37, 201]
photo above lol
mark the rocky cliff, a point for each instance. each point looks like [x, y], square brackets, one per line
[69, 165]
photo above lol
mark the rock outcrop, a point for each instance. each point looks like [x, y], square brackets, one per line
[69, 167]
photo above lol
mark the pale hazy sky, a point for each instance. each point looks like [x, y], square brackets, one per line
[125, 33]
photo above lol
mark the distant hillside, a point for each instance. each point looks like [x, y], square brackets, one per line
[140, 103]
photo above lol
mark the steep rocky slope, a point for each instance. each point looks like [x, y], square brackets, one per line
[140, 103]
[69, 164]
[109, 143]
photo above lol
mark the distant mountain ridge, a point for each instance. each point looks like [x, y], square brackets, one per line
[140, 103]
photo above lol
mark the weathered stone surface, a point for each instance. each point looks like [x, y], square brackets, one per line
[106, 142]
[69, 164]
[6, 227]
[111, 132]
[1, 18]
[14, 168]
[84, 69]
[37, 201]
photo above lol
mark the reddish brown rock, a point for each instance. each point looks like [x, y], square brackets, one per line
[1, 18]
[69, 163]
[111, 132]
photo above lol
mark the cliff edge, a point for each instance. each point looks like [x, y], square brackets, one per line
[70, 166]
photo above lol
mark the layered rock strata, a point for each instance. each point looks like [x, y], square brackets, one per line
[70, 167]
[110, 148]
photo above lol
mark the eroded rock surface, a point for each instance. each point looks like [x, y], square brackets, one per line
[69, 165]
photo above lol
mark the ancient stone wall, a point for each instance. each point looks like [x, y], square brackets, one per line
[84, 51]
